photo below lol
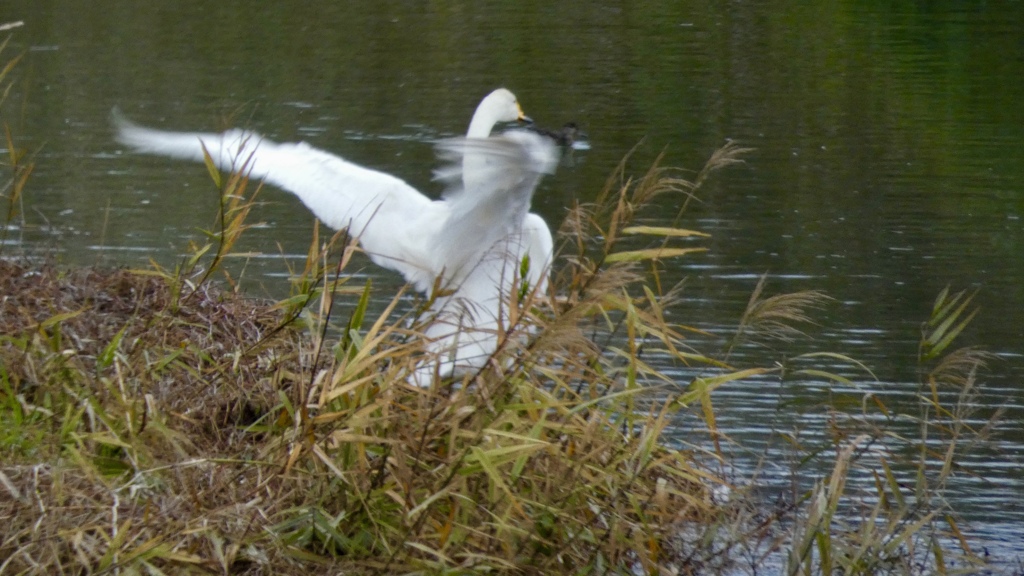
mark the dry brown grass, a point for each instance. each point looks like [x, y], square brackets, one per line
[128, 421]
[159, 423]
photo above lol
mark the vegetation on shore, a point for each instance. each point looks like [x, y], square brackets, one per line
[156, 421]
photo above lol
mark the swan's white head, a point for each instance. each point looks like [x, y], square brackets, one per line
[505, 105]
[498, 106]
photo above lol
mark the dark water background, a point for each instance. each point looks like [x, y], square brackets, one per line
[888, 162]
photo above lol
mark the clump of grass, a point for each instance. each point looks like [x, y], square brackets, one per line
[544, 461]
[189, 429]
[109, 396]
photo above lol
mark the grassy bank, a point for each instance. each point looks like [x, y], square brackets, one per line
[159, 421]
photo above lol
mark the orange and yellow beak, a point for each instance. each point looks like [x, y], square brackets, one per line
[523, 117]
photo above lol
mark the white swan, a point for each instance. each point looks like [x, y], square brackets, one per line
[470, 243]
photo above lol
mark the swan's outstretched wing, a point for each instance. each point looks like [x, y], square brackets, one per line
[394, 222]
[491, 205]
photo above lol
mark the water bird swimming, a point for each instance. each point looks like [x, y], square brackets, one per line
[470, 244]
[568, 136]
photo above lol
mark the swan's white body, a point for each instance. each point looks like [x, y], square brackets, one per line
[470, 243]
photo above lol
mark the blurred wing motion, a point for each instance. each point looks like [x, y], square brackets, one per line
[473, 240]
[492, 205]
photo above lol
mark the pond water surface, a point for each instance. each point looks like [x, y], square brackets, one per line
[888, 159]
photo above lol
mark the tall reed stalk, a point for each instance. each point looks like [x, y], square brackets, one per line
[17, 168]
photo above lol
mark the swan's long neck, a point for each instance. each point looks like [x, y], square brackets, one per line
[474, 165]
[483, 120]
